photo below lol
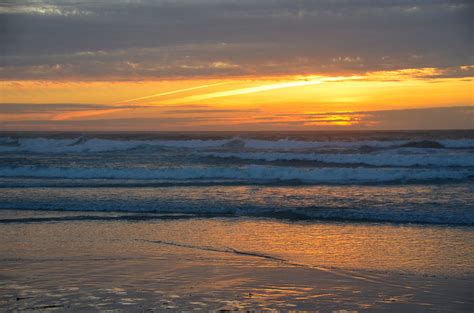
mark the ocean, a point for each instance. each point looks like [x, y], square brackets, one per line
[423, 177]
[330, 221]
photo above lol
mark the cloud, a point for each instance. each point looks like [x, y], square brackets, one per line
[38, 8]
[461, 117]
[74, 111]
[434, 118]
[21, 108]
[106, 40]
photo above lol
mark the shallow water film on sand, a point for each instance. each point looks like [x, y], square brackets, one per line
[328, 221]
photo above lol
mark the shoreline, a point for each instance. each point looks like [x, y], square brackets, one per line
[216, 282]
[231, 264]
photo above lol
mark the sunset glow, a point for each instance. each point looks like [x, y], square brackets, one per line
[228, 101]
[211, 81]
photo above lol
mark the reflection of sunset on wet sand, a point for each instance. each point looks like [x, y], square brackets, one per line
[315, 264]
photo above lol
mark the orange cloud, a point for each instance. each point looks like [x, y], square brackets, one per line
[88, 113]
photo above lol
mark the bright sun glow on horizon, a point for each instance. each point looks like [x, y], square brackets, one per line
[237, 101]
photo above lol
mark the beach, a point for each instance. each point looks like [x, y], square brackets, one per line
[237, 156]
[83, 261]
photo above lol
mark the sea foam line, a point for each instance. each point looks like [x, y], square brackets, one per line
[377, 159]
[96, 145]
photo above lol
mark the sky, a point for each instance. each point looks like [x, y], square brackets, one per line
[191, 65]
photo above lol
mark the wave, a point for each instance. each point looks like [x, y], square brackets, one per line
[423, 144]
[80, 145]
[379, 159]
[252, 174]
[96, 145]
[365, 215]
[287, 144]
[458, 143]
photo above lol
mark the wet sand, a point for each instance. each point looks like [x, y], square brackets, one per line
[175, 265]
[156, 284]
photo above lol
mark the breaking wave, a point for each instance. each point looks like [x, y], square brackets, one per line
[79, 145]
[97, 145]
[389, 158]
[414, 177]
[143, 211]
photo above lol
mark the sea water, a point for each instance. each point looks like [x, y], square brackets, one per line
[421, 177]
[383, 201]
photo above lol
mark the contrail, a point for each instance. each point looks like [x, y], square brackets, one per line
[261, 88]
[212, 95]
[173, 92]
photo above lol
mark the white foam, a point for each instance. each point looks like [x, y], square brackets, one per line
[386, 158]
[43, 145]
[286, 144]
[77, 145]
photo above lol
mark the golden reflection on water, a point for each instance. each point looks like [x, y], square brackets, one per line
[364, 246]
[379, 247]
[235, 263]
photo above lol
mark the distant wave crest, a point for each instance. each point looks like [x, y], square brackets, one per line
[385, 158]
[98, 145]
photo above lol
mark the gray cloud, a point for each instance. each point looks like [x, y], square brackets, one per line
[461, 117]
[135, 39]
[434, 118]
[21, 108]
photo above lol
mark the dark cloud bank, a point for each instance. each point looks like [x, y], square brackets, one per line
[94, 40]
